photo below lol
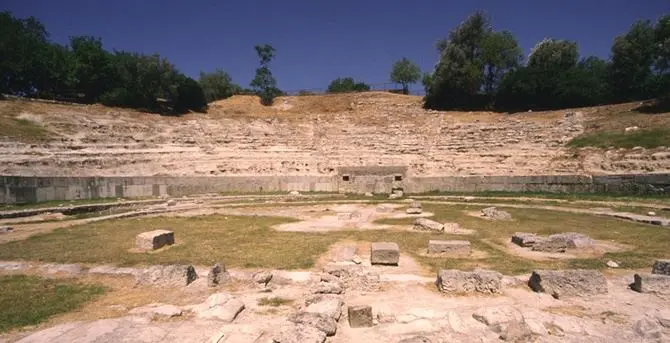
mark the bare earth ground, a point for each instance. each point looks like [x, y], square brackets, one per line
[313, 135]
[404, 300]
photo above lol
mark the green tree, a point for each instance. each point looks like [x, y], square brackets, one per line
[23, 46]
[264, 84]
[405, 72]
[554, 54]
[632, 59]
[500, 54]
[458, 77]
[345, 85]
[93, 67]
[217, 85]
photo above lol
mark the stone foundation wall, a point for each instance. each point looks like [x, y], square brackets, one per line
[19, 189]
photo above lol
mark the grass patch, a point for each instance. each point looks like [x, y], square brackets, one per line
[250, 242]
[22, 130]
[649, 139]
[29, 300]
[274, 301]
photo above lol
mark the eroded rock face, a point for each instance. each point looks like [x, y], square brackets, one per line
[218, 275]
[478, 281]
[651, 283]
[550, 245]
[323, 322]
[661, 267]
[298, 333]
[648, 329]
[566, 283]
[170, 275]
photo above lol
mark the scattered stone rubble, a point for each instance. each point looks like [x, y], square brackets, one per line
[6, 229]
[494, 213]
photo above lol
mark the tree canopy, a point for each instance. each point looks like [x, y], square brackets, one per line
[217, 85]
[347, 84]
[405, 72]
[84, 71]
[480, 68]
[264, 84]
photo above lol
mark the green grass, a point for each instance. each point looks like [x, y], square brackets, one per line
[250, 242]
[649, 139]
[274, 301]
[22, 130]
[29, 300]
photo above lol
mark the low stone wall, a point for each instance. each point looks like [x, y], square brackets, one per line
[20, 189]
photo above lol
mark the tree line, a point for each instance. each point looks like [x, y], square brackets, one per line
[481, 68]
[478, 68]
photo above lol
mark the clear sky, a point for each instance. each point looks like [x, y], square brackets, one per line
[319, 40]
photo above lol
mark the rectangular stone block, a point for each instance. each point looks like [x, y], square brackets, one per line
[571, 282]
[661, 267]
[153, 240]
[360, 316]
[454, 248]
[651, 283]
[477, 281]
[384, 253]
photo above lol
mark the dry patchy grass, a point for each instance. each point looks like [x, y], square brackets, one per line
[249, 241]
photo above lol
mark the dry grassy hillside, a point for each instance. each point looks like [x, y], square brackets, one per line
[301, 135]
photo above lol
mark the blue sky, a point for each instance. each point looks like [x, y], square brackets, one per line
[319, 40]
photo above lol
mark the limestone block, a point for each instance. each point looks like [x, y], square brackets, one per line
[323, 322]
[344, 216]
[385, 253]
[573, 240]
[170, 275]
[218, 275]
[360, 316]
[524, 239]
[651, 283]
[550, 245]
[424, 224]
[572, 282]
[153, 240]
[455, 248]
[478, 281]
[414, 210]
[495, 214]
[330, 305]
[298, 333]
[661, 267]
